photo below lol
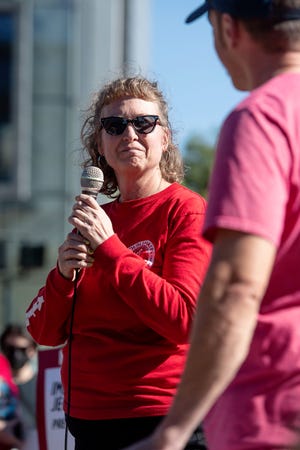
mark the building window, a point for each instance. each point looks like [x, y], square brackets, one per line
[7, 40]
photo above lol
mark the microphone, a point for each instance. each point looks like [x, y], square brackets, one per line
[91, 181]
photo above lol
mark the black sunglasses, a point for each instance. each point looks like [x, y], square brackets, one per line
[12, 348]
[116, 125]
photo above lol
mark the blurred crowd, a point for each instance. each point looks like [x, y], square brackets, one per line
[18, 375]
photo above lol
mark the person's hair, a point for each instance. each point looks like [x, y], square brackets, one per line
[15, 330]
[273, 35]
[171, 163]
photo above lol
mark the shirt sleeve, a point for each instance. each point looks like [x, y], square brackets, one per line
[164, 303]
[48, 315]
[249, 185]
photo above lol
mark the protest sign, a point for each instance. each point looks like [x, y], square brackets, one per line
[50, 415]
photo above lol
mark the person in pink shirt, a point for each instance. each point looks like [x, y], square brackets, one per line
[138, 263]
[242, 375]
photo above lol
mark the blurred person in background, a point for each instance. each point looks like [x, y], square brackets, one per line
[21, 352]
[11, 427]
[138, 263]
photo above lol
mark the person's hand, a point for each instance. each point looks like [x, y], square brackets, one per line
[91, 221]
[75, 253]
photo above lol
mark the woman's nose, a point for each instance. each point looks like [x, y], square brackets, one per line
[129, 132]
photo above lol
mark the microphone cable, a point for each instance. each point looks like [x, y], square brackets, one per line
[91, 183]
[69, 375]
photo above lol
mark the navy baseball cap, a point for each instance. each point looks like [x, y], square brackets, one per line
[246, 9]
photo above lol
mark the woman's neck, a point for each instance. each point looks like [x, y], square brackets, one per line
[135, 189]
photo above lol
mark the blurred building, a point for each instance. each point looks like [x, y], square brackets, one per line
[53, 55]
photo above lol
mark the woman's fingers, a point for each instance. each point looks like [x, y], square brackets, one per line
[74, 253]
[92, 222]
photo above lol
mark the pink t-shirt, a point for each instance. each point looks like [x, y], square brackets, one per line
[255, 188]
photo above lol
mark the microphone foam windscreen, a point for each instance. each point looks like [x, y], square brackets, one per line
[92, 178]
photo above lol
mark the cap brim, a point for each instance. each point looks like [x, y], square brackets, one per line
[197, 13]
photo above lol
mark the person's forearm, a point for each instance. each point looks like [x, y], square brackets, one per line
[224, 325]
[213, 360]
[220, 340]
[163, 302]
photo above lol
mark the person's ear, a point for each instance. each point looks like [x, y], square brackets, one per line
[231, 30]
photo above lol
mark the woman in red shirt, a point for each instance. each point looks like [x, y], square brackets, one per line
[135, 264]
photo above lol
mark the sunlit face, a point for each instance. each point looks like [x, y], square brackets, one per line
[132, 152]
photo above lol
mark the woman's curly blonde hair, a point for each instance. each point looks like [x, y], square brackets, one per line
[171, 163]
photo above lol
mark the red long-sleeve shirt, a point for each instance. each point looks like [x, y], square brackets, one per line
[134, 307]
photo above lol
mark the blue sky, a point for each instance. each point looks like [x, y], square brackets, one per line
[182, 59]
